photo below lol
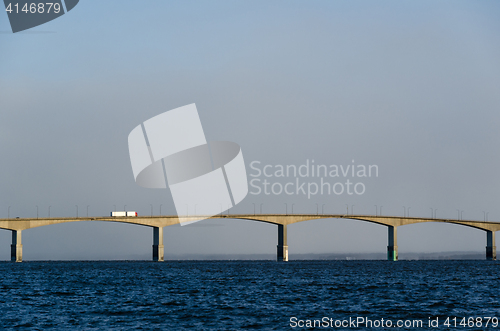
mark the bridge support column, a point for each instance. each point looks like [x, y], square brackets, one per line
[392, 247]
[158, 244]
[282, 244]
[491, 249]
[16, 249]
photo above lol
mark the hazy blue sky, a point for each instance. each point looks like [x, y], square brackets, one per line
[411, 86]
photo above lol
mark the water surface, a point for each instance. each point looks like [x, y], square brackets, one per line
[241, 295]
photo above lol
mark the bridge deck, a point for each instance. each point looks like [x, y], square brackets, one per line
[279, 219]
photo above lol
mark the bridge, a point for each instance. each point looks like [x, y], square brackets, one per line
[392, 223]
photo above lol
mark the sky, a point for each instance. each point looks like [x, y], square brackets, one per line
[411, 87]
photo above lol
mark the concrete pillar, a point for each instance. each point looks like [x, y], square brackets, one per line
[158, 244]
[491, 249]
[392, 247]
[16, 249]
[282, 244]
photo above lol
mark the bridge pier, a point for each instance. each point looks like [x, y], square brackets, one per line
[491, 249]
[158, 244]
[16, 249]
[282, 244]
[392, 247]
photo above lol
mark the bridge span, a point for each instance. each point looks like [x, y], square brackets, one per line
[18, 225]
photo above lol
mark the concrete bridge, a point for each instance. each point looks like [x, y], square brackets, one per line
[281, 220]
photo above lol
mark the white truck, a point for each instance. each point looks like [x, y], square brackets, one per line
[123, 214]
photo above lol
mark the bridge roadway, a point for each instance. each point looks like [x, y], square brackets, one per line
[18, 225]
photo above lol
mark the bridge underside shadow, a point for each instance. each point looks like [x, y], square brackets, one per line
[84, 241]
[282, 247]
[392, 224]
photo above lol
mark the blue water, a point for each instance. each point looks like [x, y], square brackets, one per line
[242, 295]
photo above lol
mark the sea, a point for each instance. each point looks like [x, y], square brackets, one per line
[250, 295]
